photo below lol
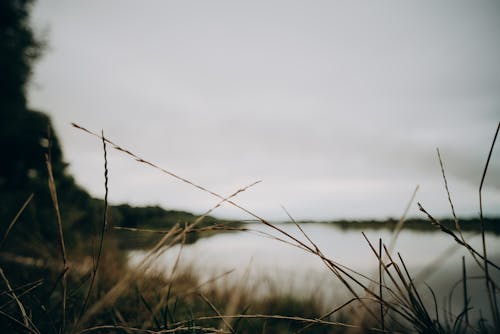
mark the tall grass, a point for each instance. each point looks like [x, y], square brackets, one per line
[109, 297]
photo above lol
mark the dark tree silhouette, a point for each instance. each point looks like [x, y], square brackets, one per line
[22, 131]
[24, 135]
[19, 49]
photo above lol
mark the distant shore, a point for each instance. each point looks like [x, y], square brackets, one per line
[491, 225]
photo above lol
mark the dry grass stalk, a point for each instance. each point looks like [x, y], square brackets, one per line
[489, 282]
[337, 270]
[26, 320]
[216, 227]
[380, 275]
[400, 224]
[212, 306]
[19, 323]
[315, 321]
[403, 305]
[27, 289]
[466, 298]
[455, 219]
[16, 218]
[55, 202]
[196, 329]
[97, 259]
[238, 296]
[329, 313]
[395, 233]
[457, 239]
[452, 207]
[196, 289]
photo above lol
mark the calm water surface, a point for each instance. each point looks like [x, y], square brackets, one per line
[268, 265]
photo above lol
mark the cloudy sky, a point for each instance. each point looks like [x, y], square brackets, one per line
[337, 106]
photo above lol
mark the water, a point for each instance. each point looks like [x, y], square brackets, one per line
[269, 265]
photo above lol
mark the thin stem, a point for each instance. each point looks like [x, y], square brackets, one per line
[16, 218]
[466, 298]
[97, 259]
[53, 194]
[490, 290]
[380, 264]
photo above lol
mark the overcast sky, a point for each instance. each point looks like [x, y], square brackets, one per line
[337, 106]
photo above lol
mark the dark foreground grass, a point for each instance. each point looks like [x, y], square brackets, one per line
[91, 289]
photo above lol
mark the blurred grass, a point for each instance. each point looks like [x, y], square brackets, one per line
[88, 286]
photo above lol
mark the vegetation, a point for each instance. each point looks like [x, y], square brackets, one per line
[491, 225]
[63, 268]
[106, 296]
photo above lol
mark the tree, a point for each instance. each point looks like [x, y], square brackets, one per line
[19, 49]
[27, 136]
[22, 131]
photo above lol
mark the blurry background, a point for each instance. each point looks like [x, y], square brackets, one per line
[337, 106]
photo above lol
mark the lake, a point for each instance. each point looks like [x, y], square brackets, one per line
[268, 265]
